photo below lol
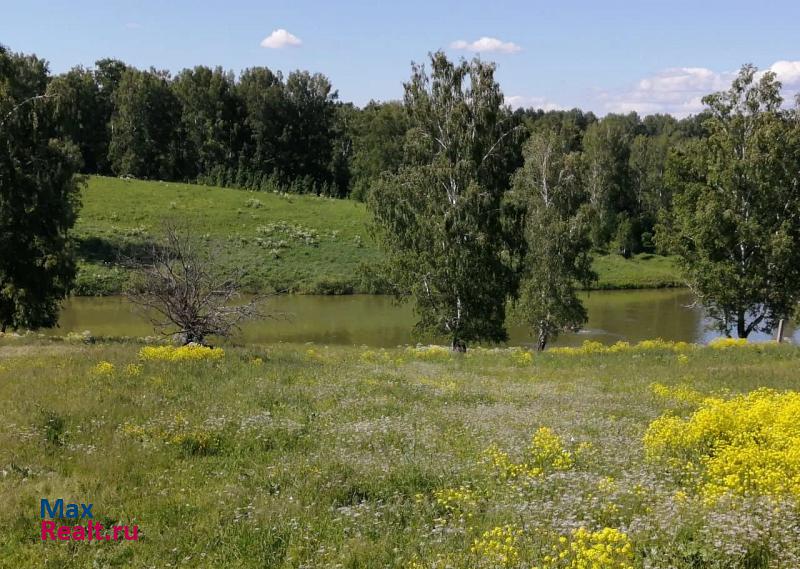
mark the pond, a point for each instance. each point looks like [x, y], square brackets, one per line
[377, 321]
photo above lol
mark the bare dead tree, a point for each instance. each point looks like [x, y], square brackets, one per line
[183, 292]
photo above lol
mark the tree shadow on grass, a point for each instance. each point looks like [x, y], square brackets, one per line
[101, 250]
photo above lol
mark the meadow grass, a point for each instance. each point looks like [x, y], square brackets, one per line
[639, 271]
[313, 456]
[280, 241]
[297, 243]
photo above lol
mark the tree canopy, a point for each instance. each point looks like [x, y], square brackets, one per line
[556, 235]
[736, 215]
[38, 196]
[439, 217]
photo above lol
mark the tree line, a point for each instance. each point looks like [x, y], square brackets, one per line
[263, 131]
[479, 207]
[469, 237]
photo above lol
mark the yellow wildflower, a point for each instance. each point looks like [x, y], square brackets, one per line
[497, 547]
[725, 343]
[103, 369]
[607, 548]
[746, 445]
[546, 453]
[133, 370]
[190, 352]
[429, 353]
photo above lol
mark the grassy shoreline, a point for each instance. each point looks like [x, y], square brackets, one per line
[301, 244]
[310, 456]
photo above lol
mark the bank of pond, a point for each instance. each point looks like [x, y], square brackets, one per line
[378, 321]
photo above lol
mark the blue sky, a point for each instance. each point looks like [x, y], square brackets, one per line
[649, 56]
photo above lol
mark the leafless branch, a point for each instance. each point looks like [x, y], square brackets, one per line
[184, 293]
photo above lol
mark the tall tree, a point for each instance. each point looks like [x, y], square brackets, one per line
[80, 117]
[378, 138]
[307, 141]
[736, 217]
[146, 127]
[571, 124]
[38, 197]
[439, 217]
[262, 93]
[556, 236]
[210, 116]
[107, 76]
[648, 158]
[606, 146]
[345, 115]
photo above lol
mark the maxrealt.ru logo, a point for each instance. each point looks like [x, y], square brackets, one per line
[91, 531]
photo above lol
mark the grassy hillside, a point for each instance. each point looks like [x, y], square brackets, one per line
[640, 271]
[299, 243]
[303, 456]
[285, 242]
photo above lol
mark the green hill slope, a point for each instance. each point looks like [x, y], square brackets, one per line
[284, 242]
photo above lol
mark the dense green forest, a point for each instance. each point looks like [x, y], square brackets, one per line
[263, 131]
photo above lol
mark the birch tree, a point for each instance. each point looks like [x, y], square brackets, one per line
[556, 233]
[736, 215]
[439, 218]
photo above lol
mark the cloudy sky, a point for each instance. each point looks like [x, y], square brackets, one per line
[605, 56]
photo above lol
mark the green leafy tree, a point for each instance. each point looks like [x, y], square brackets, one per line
[211, 115]
[342, 149]
[606, 150]
[571, 124]
[556, 236]
[306, 142]
[648, 160]
[625, 240]
[736, 215]
[439, 218]
[107, 76]
[261, 92]
[79, 117]
[146, 127]
[38, 197]
[378, 137]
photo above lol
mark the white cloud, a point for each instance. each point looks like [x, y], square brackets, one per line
[679, 91]
[523, 102]
[133, 26]
[486, 45]
[788, 73]
[279, 39]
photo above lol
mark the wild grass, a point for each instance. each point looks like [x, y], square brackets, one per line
[309, 456]
[639, 271]
[282, 242]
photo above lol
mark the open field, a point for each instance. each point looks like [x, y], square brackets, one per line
[284, 242]
[307, 456]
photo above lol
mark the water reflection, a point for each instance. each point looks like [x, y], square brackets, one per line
[377, 321]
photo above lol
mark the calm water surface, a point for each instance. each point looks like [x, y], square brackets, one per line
[631, 315]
